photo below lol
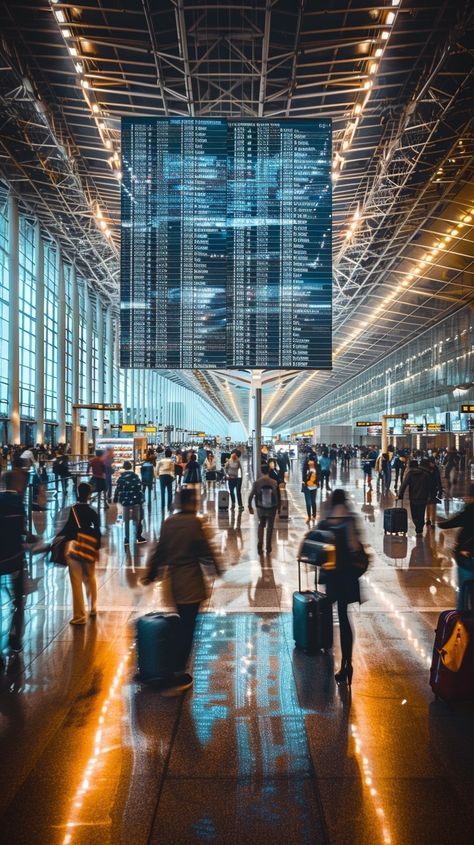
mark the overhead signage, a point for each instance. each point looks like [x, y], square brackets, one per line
[129, 428]
[150, 429]
[435, 427]
[467, 409]
[362, 424]
[116, 426]
[100, 406]
[412, 428]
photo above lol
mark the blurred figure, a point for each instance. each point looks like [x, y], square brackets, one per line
[210, 469]
[342, 583]
[233, 470]
[109, 472]
[184, 543]
[192, 476]
[273, 472]
[283, 461]
[418, 481]
[325, 466]
[436, 491]
[266, 493]
[12, 562]
[147, 472]
[128, 493]
[451, 466]
[82, 519]
[97, 482]
[464, 549]
[178, 467]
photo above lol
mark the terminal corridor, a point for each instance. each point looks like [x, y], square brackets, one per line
[264, 744]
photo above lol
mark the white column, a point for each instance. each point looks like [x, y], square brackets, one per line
[39, 402]
[61, 368]
[89, 336]
[76, 421]
[14, 321]
[109, 392]
[100, 361]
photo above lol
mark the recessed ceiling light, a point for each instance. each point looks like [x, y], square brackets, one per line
[66, 33]
[60, 16]
[385, 35]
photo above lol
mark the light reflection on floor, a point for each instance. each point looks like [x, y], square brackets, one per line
[264, 745]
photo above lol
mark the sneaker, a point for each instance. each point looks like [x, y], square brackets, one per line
[142, 540]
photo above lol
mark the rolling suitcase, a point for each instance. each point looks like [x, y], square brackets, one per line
[395, 521]
[452, 666]
[223, 500]
[312, 619]
[156, 636]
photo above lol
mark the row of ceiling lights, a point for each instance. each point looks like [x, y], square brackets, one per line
[94, 107]
[366, 88]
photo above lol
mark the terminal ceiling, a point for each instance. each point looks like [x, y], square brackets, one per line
[395, 77]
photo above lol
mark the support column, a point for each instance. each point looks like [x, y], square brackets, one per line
[256, 401]
[14, 321]
[61, 370]
[100, 361]
[110, 357]
[76, 421]
[89, 336]
[39, 401]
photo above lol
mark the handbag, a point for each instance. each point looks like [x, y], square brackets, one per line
[85, 547]
[360, 560]
[58, 551]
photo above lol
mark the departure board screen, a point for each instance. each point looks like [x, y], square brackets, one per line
[226, 243]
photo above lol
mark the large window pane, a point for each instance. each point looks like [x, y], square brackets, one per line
[27, 317]
[4, 301]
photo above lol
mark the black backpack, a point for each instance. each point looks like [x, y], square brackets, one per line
[267, 497]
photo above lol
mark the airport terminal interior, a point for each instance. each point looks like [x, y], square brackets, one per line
[237, 422]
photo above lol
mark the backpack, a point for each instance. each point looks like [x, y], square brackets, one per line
[267, 497]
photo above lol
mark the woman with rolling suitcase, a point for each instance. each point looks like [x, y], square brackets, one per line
[342, 582]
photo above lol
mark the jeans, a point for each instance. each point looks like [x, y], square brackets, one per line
[310, 499]
[235, 487]
[147, 485]
[387, 478]
[266, 519]
[16, 593]
[81, 573]
[133, 513]
[188, 614]
[325, 473]
[166, 488]
[418, 515]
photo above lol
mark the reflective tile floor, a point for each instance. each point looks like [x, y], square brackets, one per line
[264, 747]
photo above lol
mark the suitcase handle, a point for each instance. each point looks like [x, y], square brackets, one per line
[299, 575]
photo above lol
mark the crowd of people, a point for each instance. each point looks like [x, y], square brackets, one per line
[181, 477]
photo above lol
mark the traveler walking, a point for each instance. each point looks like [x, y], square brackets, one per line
[183, 545]
[128, 492]
[210, 469]
[310, 486]
[12, 558]
[109, 472]
[81, 532]
[166, 477]
[464, 549]
[97, 481]
[418, 481]
[436, 491]
[325, 466]
[274, 471]
[451, 466]
[233, 470]
[147, 472]
[342, 583]
[266, 493]
[178, 467]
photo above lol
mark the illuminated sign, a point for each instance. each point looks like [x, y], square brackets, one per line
[226, 243]
[467, 409]
[435, 427]
[368, 425]
[129, 428]
[150, 429]
[412, 428]
[100, 406]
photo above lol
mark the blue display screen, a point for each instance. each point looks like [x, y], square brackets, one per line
[226, 243]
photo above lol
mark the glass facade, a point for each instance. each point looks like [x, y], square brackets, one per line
[96, 357]
[27, 316]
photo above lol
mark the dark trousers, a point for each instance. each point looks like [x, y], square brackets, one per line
[266, 519]
[188, 614]
[345, 631]
[235, 487]
[15, 588]
[310, 499]
[147, 485]
[418, 515]
[325, 473]
[166, 489]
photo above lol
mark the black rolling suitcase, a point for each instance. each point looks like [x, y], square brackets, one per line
[395, 521]
[157, 635]
[312, 619]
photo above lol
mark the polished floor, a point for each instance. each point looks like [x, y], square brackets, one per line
[264, 747]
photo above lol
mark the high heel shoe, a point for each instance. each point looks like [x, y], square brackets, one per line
[345, 673]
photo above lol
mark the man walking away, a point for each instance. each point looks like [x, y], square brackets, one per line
[184, 543]
[147, 472]
[98, 479]
[418, 481]
[325, 466]
[128, 493]
[266, 493]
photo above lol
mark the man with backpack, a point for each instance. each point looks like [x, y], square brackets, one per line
[266, 493]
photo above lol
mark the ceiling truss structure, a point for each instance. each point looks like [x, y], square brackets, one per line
[396, 79]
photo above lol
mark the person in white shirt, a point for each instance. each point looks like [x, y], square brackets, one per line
[165, 468]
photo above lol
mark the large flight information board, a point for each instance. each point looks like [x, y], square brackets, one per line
[226, 243]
